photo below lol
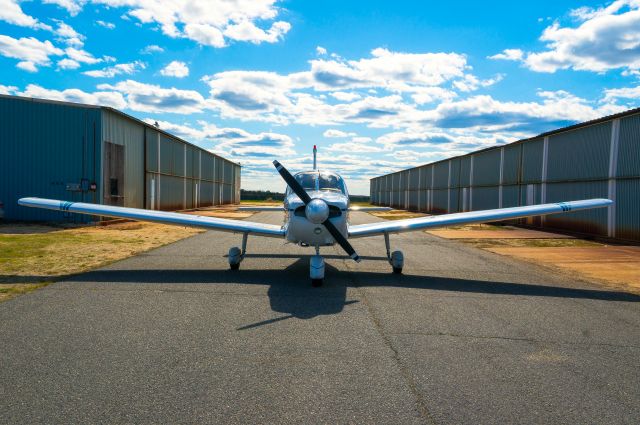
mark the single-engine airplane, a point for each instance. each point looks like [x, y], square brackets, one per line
[316, 208]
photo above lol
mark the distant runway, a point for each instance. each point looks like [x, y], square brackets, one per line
[464, 336]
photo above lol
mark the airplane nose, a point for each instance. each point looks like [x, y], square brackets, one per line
[317, 211]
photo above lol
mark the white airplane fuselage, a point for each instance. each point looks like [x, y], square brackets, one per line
[301, 231]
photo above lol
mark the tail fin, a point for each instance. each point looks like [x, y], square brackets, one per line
[314, 157]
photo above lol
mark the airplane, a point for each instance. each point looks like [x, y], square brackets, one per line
[316, 208]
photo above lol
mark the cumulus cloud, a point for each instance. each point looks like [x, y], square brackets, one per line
[150, 49]
[207, 22]
[11, 12]
[605, 38]
[7, 89]
[30, 51]
[484, 113]
[72, 6]
[333, 133]
[176, 69]
[82, 56]
[67, 63]
[68, 35]
[107, 25]
[104, 98]
[300, 96]
[622, 93]
[112, 71]
[152, 98]
[321, 50]
[509, 55]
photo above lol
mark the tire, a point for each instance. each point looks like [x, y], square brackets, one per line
[397, 270]
[316, 283]
[234, 266]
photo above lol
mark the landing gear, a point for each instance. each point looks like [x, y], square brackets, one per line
[316, 269]
[396, 258]
[236, 255]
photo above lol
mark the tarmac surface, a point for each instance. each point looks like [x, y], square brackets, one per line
[463, 336]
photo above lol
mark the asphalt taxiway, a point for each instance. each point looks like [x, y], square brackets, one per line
[463, 336]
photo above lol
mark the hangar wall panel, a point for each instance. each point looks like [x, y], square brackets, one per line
[580, 155]
[44, 147]
[629, 147]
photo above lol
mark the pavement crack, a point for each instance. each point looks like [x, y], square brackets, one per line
[421, 403]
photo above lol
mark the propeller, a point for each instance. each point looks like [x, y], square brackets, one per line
[306, 199]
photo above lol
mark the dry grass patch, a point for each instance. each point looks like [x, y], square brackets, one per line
[396, 214]
[29, 260]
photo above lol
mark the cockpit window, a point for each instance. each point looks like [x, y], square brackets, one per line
[307, 180]
[326, 181]
[331, 182]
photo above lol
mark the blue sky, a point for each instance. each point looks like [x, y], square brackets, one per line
[377, 85]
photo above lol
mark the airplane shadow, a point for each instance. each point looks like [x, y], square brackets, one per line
[290, 292]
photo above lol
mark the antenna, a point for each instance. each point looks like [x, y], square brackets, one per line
[314, 157]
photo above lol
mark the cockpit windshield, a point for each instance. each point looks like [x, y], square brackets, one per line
[320, 181]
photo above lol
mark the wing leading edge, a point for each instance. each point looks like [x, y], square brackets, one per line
[221, 224]
[413, 224]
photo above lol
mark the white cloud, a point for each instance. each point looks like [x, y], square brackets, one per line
[248, 31]
[208, 22]
[152, 48]
[606, 38]
[332, 133]
[80, 55]
[622, 93]
[112, 99]
[345, 96]
[299, 96]
[67, 63]
[107, 25]
[31, 52]
[7, 89]
[509, 55]
[176, 69]
[321, 50]
[11, 12]
[68, 35]
[72, 6]
[112, 71]
[151, 98]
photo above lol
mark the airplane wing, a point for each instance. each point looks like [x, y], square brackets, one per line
[212, 223]
[430, 222]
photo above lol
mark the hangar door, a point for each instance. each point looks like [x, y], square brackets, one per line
[113, 183]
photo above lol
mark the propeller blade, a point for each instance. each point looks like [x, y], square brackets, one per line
[293, 183]
[342, 241]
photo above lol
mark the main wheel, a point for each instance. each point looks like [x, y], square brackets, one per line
[397, 270]
[235, 266]
[316, 282]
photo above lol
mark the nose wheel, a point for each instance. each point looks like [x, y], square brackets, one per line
[316, 269]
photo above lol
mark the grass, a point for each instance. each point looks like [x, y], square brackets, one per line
[533, 243]
[396, 214]
[32, 259]
[261, 201]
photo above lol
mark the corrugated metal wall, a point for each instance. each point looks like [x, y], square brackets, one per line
[183, 176]
[49, 149]
[601, 160]
[46, 150]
